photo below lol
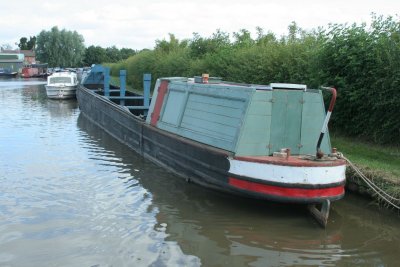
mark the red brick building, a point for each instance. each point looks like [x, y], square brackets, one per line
[30, 57]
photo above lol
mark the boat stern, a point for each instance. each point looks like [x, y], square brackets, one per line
[294, 179]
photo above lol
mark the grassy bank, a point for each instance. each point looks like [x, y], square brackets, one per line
[381, 164]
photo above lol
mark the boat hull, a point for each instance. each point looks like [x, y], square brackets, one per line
[61, 92]
[8, 75]
[205, 165]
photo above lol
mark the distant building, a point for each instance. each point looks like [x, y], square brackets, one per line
[30, 57]
[11, 62]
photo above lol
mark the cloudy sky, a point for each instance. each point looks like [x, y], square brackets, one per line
[137, 23]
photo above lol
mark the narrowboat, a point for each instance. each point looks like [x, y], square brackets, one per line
[7, 73]
[268, 142]
[34, 71]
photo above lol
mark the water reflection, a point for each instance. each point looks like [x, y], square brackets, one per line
[222, 230]
[61, 108]
[19, 83]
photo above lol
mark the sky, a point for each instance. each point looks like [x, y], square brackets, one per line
[137, 24]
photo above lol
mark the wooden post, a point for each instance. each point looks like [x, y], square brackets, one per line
[106, 81]
[122, 82]
[146, 91]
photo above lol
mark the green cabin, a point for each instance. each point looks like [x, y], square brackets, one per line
[10, 62]
[248, 120]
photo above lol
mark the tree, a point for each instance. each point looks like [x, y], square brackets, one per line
[31, 43]
[173, 44]
[112, 54]
[94, 55]
[98, 55]
[243, 38]
[23, 43]
[60, 48]
[200, 46]
[127, 52]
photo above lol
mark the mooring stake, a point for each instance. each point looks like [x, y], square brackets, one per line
[146, 91]
[122, 83]
[106, 81]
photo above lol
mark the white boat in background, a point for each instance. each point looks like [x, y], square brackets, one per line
[62, 85]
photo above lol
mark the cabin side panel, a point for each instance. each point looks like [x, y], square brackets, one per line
[313, 118]
[173, 106]
[209, 114]
[255, 135]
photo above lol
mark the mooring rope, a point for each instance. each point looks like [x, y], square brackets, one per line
[379, 191]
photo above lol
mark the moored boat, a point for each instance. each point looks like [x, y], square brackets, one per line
[34, 71]
[62, 85]
[268, 142]
[7, 73]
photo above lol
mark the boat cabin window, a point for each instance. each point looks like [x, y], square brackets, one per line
[60, 80]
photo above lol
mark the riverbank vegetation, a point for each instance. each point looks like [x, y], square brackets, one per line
[60, 48]
[98, 54]
[64, 48]
[362, 61]
[380, 164]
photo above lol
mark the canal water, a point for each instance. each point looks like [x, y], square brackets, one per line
[70, 195]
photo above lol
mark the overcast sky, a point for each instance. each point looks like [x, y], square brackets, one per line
[137, 24]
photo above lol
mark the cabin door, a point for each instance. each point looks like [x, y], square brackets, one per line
[286, 120]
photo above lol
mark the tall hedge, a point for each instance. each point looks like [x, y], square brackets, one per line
[362, 62]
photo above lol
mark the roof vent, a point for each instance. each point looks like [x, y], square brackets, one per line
[290, 86]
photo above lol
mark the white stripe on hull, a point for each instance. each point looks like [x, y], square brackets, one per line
[58, 92]
[288, 174]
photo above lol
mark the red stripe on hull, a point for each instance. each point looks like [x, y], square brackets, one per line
[286, 191]
[162, 90]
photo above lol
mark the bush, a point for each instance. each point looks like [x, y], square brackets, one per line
[362, 62]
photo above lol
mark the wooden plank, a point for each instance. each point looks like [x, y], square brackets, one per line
[213, 117]
[215, 109]
[278, 123]
[208, 127]
[293, 121]
[162, 90]
[255, 134]
[137, 107]
[217, 101]
[172, 110]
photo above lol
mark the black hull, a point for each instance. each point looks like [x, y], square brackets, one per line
[8, 75]
[195, 162]
[191, 160]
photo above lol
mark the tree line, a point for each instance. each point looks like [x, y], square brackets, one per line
[64, 48]
[362, 61]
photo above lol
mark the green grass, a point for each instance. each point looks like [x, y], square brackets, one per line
[383, 161]
[380, 164]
